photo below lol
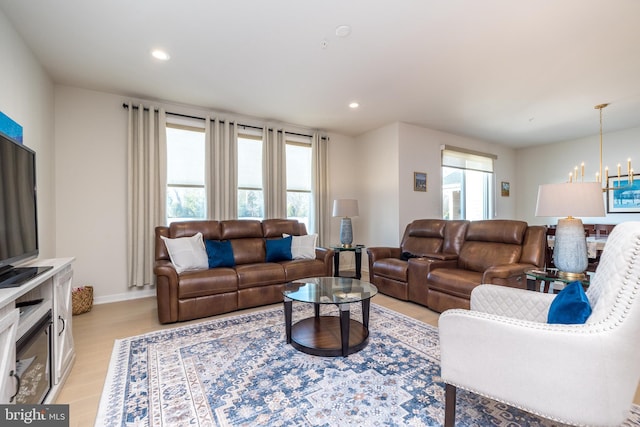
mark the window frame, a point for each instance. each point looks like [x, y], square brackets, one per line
[191, 126]
[470, 161]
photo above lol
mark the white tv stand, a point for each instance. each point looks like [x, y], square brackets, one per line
[54, 288]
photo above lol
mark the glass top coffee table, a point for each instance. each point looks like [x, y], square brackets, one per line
[328, 335]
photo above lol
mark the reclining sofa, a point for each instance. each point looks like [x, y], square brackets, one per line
[439, 262]
[250, 282]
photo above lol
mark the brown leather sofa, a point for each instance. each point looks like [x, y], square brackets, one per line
[444, 260]
[251, 282]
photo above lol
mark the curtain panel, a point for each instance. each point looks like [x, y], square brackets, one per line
[146, 189]
[221, 172]
[274, 173]
[319, 221]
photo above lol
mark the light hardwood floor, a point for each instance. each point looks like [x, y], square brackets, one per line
[94, 334]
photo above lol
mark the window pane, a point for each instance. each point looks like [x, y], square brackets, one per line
[298, 167]
[250, 204]
[185, 203]
[186, 199]
[466, 194]
[298, 206]
[249, 163]
[185, 157]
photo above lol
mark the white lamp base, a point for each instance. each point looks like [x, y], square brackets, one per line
[570, 249]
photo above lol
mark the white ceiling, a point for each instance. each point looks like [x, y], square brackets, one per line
[515, 72]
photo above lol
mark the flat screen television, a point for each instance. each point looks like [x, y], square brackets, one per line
[18, 212]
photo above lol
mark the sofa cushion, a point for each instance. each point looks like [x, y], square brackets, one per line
[303, 247]
[423, 236]
[207, 282]
[278, 249]
[454, 281]
[260, 274]
[392, 268]
[187, 253]
[210, 229]
[219, 253]
[478, 256]
[302, 268]
[278, 227]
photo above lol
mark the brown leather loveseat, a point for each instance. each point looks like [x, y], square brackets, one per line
[439, 262]
[251, 282]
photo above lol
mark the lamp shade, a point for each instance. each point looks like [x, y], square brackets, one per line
[345, 207]
[581, 199]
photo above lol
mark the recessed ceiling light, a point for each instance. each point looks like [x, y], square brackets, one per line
[343, 30]
[160, 54]
[354, 105]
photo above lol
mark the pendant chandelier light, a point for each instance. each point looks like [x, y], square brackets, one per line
[604, 179]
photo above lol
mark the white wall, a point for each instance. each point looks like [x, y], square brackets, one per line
[91, 174]
[392, 154]
[26, 95]
[546, 164]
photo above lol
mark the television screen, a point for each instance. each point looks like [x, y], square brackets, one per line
[18, 217]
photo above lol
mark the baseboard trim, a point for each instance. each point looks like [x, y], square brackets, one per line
[132, 295]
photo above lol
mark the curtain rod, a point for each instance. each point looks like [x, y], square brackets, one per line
[135, 107]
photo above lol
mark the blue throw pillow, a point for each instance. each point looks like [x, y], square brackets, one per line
[278, 249]
[220, 253]
[570, 306]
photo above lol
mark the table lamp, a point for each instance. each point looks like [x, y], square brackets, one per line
[583, 199]
[346, 208]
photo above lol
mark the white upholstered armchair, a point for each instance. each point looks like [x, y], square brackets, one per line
[576, 374]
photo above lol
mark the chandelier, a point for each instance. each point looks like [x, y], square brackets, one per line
[573, 176]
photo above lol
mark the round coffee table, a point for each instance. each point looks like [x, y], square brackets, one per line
[328, 335]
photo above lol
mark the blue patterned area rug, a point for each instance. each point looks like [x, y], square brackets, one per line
[238, 371]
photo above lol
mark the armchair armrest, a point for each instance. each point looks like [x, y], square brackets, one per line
[511, 302]
[382, 253]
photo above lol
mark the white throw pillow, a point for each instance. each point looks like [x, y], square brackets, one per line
[303, 247]
[187, 253]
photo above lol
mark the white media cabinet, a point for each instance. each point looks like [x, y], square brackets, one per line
[54, 288]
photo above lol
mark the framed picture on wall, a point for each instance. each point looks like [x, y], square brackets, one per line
[419, 181]
[504, 188]
[627, 198]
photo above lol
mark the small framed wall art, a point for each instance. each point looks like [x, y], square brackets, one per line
[504, 189]
[627, 198]
[419, 181]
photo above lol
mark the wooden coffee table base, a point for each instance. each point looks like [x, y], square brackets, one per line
[321, 336]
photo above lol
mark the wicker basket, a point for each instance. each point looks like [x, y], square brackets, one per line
[82, 299]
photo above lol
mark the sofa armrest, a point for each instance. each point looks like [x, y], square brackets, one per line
[507, 274]
[441, 256]
[166, 291]
[436, 263]
[326, 256]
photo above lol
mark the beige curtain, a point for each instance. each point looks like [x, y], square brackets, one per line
[146, 189]
[221, 184]
[319, 188]
[274, 173]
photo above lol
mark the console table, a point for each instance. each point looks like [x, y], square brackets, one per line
[47, 293]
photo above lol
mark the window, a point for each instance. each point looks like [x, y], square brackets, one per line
[299, 181]
[467, 184]
[250, 193]
[186, 199]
